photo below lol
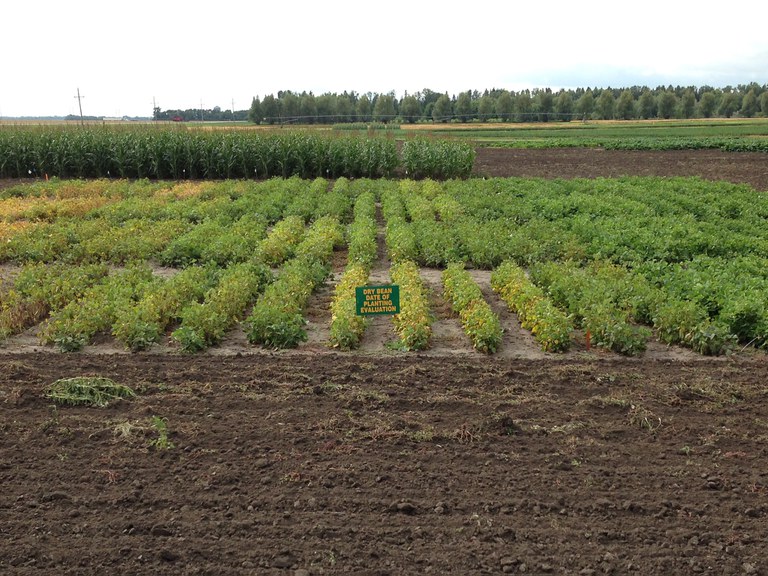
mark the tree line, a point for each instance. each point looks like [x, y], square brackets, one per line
[215, 114]
[538, 105]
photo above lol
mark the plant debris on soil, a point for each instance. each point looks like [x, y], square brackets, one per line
[376, 462]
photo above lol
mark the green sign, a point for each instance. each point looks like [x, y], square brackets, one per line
[383, 299]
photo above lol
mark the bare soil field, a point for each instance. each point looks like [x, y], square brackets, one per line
[746, 167]
[312, 461]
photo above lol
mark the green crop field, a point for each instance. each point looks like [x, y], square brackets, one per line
[680, 260]
[175, 152]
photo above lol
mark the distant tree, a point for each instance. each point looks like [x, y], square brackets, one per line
[707, 104]
[442, 110]
[256, 112]
[384, 108]
[410, 109]
[545, 104]
[523, 106]
[289, 105]
[78, 118]
[752, 86]
[485, 107]
[625, 106]
[646, 105]
[666, 102]
[463, 107]
[325, 108]
[605, 105]
[308, 108]
[749, 104]
[564, 106]
[505, 106]
[764, 103]
[364, 109]
[729, 104]
[585, 105]
[688, 104]
[427, 97]
[270, 108]
[344, 110]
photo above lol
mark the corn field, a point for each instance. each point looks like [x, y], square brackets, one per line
[173, 153]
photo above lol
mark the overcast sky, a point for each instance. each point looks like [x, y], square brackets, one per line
[125, 55]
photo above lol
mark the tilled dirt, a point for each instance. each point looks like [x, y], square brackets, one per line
[383, 462]
[298, 463]
[739, 167]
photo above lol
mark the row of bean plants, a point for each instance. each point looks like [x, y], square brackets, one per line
[205, 323]
[478, 320]
[74, 325]
[550, 326]
[639, 143]
[627, 220]
[414, 322]
[704, 245]
[731, 292]
[178, 226]
[143, 323]
[88, 241]
[347, 328]
[216, 241]
[400, 238]
[614, 303]
[277, 319]
[41, 289]
[604, 299]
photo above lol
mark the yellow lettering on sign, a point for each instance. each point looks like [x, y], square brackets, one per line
[378, 302]
[378, 309]
[378, 298]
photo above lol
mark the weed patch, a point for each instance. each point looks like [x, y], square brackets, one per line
[87, 391]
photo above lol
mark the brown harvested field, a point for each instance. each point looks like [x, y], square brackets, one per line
[382, 462]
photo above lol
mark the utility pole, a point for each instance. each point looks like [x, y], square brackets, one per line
[201, 109]
[233, 109]
[80, 105]
[154, 108]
